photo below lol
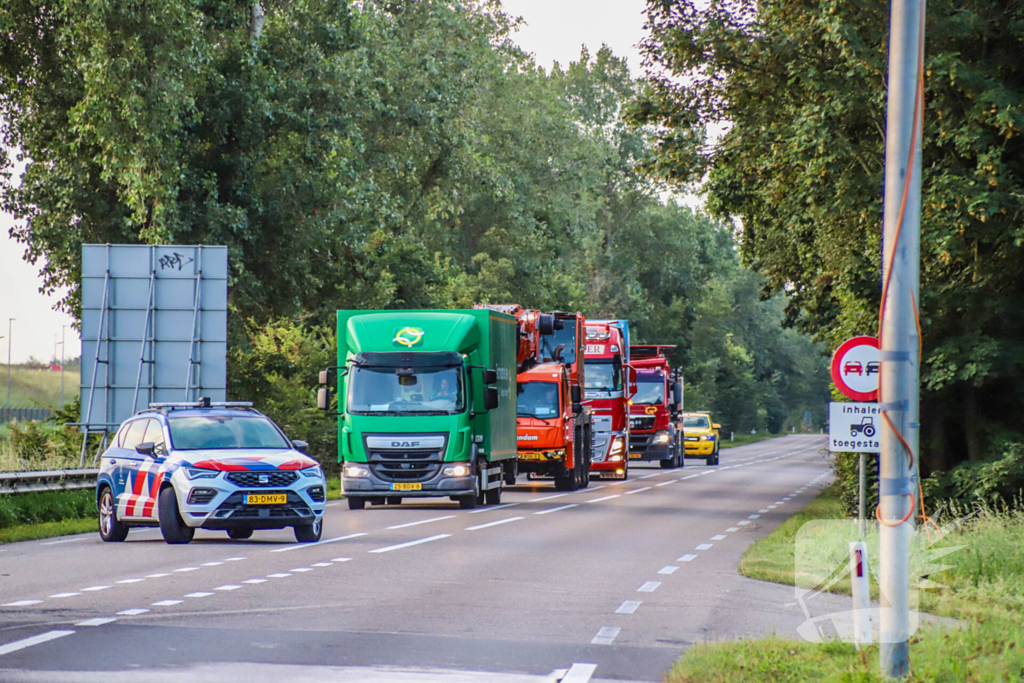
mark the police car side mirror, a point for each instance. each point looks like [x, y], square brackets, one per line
[490, 398]
[146, 448]
[300, 445]
[717, 426]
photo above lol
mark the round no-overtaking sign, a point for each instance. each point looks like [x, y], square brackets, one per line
[856, 368]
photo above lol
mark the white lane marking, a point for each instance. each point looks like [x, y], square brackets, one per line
[772, 507]
[132, 612]
[200, 594]
[628, 607]
[130, 580]
[666, 483]
[98, 621]
[22, 603]
[186, 569]
[668, 569]
[278, 576]
[646, 488]
[718, 537]
[500, 521]
[753, 516]
[564, 507]
[537, 500]
[229, 587]
[341, 559]
[591, 488]
[300, 570]
[648, 476]
[704, 546]
[312, 545]
[615, 483]
[167, 603]
[156, 576]
[496, 507]
[234, 559]
[321, 564]
[648, 587]
[708, 472]
[605, 636]
[598, 500]
[254, 581]
[731, 529]
[92, 589]
[763, 510]
[330, 505]
[211, 564]
[34, 640]
[687, 558]
[579, 673]
[63, 595]
[422, 521]
[692, 476]
[66, 540]
[410, 543]
[744, 522]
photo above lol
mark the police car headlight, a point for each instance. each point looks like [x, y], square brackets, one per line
[707, 437]
[314, 471]
[661, 437]
[617, 446]
[199, 473]
[356, 471]
[457, 471]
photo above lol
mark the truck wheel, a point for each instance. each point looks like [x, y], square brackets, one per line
[356, 503]
[172, 526]
[394, 500]
[567, 480]
[111, 530]
[467, 502]
[667, 464]
[493, 496]
[510, 472]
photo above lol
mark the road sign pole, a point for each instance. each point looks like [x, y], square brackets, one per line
[899, 339]
[861, 497]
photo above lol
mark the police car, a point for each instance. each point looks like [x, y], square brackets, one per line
[203, 465]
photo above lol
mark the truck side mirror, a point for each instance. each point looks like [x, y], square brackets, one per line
[325, 378]
[677, 393]
[574, 392]
[490, 398]
[631, 381]
[490, 377]
[323, 398]
[577, 408]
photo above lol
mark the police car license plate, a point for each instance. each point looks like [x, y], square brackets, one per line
[266, 498]
[407, 487]
[634, 456]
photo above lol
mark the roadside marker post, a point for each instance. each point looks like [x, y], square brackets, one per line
[860, 588]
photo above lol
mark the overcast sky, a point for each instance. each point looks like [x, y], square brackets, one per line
[554, 30]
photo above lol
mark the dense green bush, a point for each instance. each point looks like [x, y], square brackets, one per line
[46, 506]
[997, 482]
[846, 467]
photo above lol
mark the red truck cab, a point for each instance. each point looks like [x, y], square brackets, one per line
[607, 394]
[654, 408]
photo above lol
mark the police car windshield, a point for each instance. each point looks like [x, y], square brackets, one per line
[223, 432]
[650, 390]
[395, 391]
[696, 422]
[537, 399]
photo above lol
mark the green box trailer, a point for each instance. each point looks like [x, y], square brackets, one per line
[426, 405]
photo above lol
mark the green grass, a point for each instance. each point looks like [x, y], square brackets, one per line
[43, 514]
[984, 587]
[30, 388]
[32, 532]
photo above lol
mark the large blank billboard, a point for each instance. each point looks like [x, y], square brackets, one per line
[154, 328]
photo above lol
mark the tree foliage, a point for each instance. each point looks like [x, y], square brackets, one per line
[799, 88]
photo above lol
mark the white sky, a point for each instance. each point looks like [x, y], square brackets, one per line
[554, 30]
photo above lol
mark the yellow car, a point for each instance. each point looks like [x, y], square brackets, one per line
[700, 437]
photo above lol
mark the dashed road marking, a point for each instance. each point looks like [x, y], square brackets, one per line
[718, 537]
[692, 476]
[496, 507]
[605, 636]
[321, 564]
[93, 589]
[132, 612]
[64, 595]
[628, 607]
[666, 483]
[199, 594]
[229, 587]
[410, 543]
[156, 576]
[296, 546]
[187, 569]
[564, 507]
[668, 569]
[130, 580]
[704, 546]
[279, 575]
[646, 488]
[490, 524]
[648, 476]
[22, 603]
[648, 587]
[167, 603]
[422, 521]
[254, 581]
[212, 564]
[744, 522]
[34, 640]
[341, 559]
[731, 529]
[763, 510]
[598, 500]
[234, 559]
[753, 516]
[98, 621]
[537, 500]
[579, 673]
[301, 570]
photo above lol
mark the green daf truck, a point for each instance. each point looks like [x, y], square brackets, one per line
[426, 405]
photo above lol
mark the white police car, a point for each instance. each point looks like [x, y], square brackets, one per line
[203, 465]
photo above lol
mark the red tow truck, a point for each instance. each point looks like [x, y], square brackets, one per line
[654, 409]
[610, 383]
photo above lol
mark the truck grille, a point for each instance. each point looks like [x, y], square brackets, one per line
[643, 423]
[402, 466]
[253, 479]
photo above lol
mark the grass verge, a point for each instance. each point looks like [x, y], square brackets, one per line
[983, 585]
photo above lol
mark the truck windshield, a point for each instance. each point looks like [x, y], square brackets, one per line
[567, 336]
[649, 391]
[220, 432]
[426, 390]
[696, 422]
[537, 399]
[603, 377]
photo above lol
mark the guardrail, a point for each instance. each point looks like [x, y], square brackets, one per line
[23, 414]
[52, 480]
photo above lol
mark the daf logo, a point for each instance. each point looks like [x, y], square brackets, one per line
[264, 478]
[405, 444]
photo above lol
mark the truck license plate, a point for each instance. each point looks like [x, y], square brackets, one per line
[634, 456]
[266, 498]
[531, 456]
[407, 487]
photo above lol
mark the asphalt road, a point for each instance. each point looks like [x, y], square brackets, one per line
[609, 583]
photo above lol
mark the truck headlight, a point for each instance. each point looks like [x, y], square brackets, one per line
[457, 471]
[661, 437]
[356, 471]
[551, 455]
[617, 446]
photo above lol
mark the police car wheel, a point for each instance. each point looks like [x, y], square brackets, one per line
[172, 526]
[111, 530]
[309, 533]
[239, 534]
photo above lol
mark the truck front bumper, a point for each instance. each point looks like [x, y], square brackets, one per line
[373, 486]
[641, 449]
